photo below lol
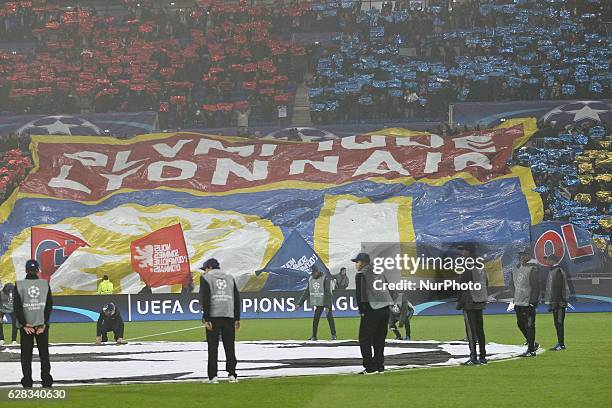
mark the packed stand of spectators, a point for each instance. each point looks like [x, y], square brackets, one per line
[200, 64]
[15, 162]
[572, 169]
[400, 62]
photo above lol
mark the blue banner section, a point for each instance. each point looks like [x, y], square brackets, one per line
[271, 305]
[487, 114]
[290, 267]
[571, 244]
[116, 124]
[463, 212]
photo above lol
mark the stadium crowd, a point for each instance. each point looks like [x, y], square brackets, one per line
[399, 62]
[199, 64]
[15, 162]
[221, 63]
[572, 169]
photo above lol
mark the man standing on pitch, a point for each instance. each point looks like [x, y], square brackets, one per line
[319, 294]
[556, 297]
[220, 301]
[341, 279]
[6, 308]
[374, 310]
[525, 290]
[472, 302]
[33, 302]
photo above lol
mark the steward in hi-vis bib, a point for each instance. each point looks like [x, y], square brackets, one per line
[556, 297]
[7, 294]
[220, 301]
[374, 308]
[525, 290]
[472, 302]
[319, 295]
[33, 302]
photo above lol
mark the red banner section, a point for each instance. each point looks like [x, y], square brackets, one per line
[51, 248]
[160, 258]
[91, 171]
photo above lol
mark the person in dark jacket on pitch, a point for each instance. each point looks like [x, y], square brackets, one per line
[110, 320]
[32, 303]
[319, 294]
[472, 302]
[374, 311]
[400, 314]
[557, 296]
[6, 308]
[220, 301]
[341, 279]
[525, 291]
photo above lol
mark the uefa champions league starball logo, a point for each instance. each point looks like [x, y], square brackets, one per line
[33, 292]
[576, 112]
[60, 125]
[221, 284]
[307, 134]
[316, 285]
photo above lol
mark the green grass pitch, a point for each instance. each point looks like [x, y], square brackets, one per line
[578, 377]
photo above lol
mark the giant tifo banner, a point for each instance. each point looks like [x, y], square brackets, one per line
[238, 200]
[562, 112]
[117, 124]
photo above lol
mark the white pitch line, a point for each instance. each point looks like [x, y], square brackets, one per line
[164, 333]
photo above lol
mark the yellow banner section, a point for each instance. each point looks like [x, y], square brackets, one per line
[245, 242]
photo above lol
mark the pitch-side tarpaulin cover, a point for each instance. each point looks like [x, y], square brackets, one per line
[238, 199]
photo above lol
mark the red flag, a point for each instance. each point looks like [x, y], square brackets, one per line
[51, 248]
[161, 258]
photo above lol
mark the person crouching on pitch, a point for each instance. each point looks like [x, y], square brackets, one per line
[319, 294]
[556, 297]
[401, 312]
[220, 301]
[374, 311]
[525, 289]
[109, 320]
[473, 302]
[32, 302]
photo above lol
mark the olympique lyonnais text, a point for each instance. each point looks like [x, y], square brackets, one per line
[91, 171]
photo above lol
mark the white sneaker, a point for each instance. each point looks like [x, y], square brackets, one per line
[1, 342]
[14, 343]
[233, 378]
[213, 380]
